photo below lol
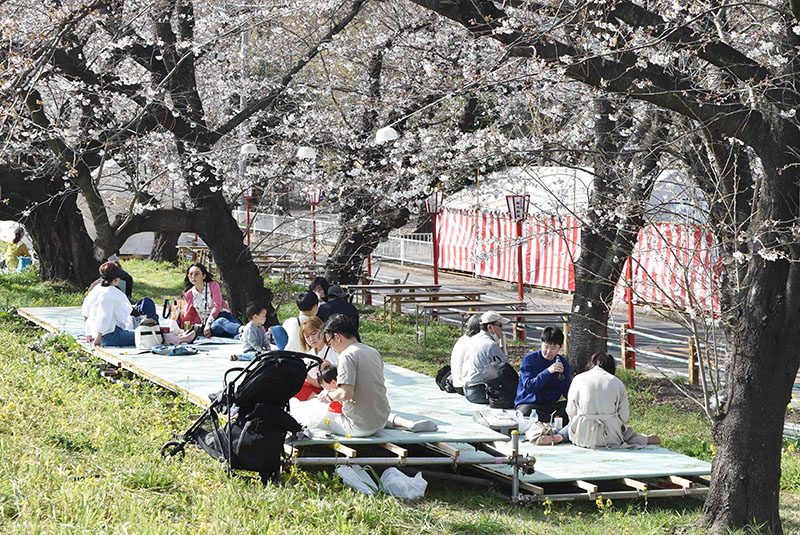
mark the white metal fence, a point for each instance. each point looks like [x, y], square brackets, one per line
[295, 233]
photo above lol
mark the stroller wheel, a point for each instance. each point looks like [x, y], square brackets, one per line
[173, 448]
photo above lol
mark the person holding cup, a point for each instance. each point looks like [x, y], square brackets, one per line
[544, 379]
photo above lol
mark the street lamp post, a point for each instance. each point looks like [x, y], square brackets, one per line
[314, 196]
[433, 206]
[518, 206]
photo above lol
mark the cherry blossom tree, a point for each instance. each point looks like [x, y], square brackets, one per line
[733, 70]
[99, 81]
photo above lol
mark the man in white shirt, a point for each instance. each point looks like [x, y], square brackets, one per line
[308, 304]
[459, 352]
[360, 386]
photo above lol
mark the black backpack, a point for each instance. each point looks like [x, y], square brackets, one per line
[444, 378]
[257, 437]
[501, 380]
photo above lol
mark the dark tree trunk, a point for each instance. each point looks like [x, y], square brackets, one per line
[763, 358]
[62, 243]
[165, 247]
[607, 241]
[52, 218]
[242, 279]
[357, 241]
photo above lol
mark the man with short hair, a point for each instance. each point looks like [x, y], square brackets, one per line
[544, 378]
[308, 304]
[360, 386]
[337, 303]
[482, 349]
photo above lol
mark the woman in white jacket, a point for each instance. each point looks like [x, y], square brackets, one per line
[598, 409]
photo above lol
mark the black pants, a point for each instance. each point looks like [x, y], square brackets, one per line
[544, 410]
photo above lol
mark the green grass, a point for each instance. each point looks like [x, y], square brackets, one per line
[80, 455]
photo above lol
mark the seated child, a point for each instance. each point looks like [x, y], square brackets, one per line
[254, 336]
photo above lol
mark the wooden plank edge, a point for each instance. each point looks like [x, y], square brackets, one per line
[394, 448]
[347, 451]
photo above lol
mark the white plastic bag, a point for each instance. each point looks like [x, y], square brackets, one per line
[310, 413]
[398, 484]
[358, 478]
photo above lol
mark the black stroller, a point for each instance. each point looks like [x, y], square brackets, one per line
[253, 439]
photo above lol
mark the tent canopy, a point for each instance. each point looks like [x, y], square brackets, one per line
[566, 190]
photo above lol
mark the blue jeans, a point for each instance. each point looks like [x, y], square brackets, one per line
[225, 326]
[476, 394]
[119, 337]
[249, 355]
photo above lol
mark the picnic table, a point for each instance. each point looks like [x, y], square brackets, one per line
[197, 253]
[518, 317]
[386, 288]
[457, 306]
[397, 299]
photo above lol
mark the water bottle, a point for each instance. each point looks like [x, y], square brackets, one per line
[558, 423]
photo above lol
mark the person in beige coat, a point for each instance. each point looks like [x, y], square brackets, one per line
[598, 409]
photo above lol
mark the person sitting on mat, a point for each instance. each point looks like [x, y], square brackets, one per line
[307, 304]
[205, 305]
[598, 408]
[359, 385]
[544, 378]
[107, 314]
[313, 344]
[254, 336]
[337, 303]
[459, 351]
[482, 349]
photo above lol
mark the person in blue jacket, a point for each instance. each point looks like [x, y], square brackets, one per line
[544, 379]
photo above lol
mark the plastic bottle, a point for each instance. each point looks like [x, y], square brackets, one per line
[558, 423]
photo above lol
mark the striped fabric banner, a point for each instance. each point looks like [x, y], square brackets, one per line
[674, 265]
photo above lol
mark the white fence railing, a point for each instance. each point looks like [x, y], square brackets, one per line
[295, 233]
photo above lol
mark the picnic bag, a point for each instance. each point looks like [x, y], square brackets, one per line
[444, 378]
[148, 336]
[501, 381]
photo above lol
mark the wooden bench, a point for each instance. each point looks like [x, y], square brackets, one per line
[456, 306]
[397, 299]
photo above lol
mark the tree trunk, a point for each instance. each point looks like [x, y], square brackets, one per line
[54, 223]
[62, 244]
[165, 247]
[607, 242]
[357, 240]
[763, 362]
[240, 275]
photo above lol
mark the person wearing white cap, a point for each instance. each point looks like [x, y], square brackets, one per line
[483, 348]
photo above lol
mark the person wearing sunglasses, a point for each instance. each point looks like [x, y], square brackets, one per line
[483, 349]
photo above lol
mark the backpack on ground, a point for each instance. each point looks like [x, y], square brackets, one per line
[501, 381]
[444, 378]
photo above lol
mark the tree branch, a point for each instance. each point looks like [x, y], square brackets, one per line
[287, 78]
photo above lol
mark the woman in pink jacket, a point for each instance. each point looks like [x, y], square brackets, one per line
[205, 306]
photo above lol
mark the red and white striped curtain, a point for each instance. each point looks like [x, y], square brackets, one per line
[674, 265]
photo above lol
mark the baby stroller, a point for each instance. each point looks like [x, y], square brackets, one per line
[254, 439]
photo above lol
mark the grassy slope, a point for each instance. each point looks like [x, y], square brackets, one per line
[80, 454]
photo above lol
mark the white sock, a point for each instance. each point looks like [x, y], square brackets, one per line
[421, 426]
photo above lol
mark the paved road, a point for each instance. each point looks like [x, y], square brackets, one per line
[543, 300]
